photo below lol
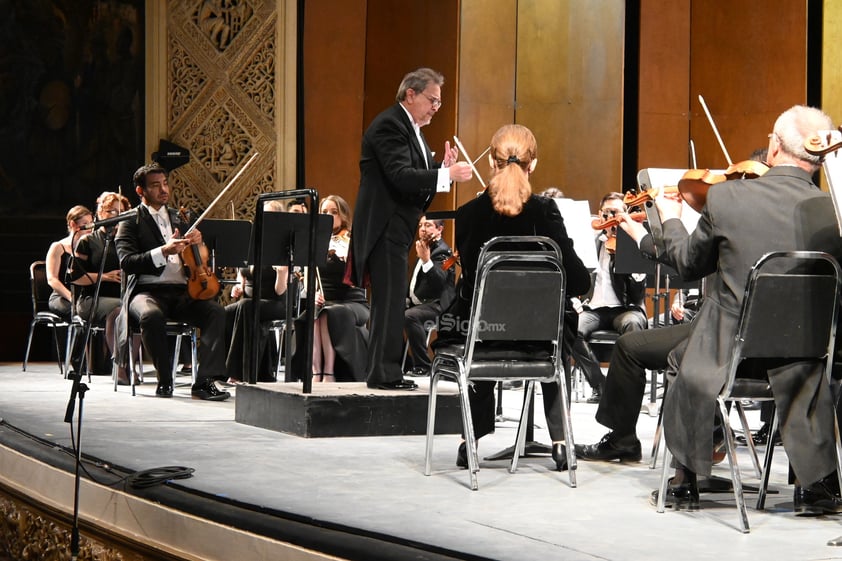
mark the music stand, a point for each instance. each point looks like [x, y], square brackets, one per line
[227, 241]
[296, 238]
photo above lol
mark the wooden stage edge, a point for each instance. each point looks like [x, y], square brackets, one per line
[346, 409]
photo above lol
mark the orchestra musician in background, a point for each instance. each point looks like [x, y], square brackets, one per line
[59, 256]
[617, 302]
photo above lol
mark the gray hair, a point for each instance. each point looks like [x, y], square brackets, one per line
[418, 80]
[797, 124]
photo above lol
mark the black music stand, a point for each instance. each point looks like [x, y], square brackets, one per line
[227, 241]
[290, 244]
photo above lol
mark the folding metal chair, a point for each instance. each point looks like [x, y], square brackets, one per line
[518, 307]
[41, 314]
[789, 311]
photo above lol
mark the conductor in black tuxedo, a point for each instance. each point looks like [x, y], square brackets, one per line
[149, 249]
[398, 179]
[432, 288]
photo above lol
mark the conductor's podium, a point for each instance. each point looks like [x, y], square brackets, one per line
[345, 409]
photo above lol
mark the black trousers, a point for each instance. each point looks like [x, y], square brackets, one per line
[634, 353]
[387, 267]
[416, 321]
[150, 309]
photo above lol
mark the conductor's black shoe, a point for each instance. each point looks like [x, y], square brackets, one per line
[817, 499]
[418, 371]
[208, 391]
[462, 456]
[396, 385]
[163, 390]
[608, 449]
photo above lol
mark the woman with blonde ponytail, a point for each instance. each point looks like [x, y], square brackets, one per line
[509, 208]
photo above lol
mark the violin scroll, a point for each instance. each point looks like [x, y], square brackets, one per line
[824, 142]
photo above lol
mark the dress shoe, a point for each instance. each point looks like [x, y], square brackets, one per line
[759, 438]
[679, 495]
[208, 391]
[396, 385]
[560, 456]
[596, 395]
[163, 390]
[608, 449]
[462, 456]
[418, 371]
[817, 499]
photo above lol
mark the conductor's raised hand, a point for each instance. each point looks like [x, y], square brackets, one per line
[451, 154]
[460, 171]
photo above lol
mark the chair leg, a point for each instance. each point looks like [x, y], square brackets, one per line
[656, 441]
[28, 345]
[176, 355]
[767, 461]
[662, 488]
[61, 369]
[520, 440]
[569, 444]
[749, 440]
[194, 353]
[431, 421]
[731, 449]
[468, 425]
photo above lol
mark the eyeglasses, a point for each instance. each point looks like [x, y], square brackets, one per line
[434, 101]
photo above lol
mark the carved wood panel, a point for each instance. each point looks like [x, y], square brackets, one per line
[222, 101]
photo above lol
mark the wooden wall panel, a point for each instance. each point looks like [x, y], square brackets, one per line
[750, 65]
[664, 94]
[334, 67]
[831, 55]
[487, 59]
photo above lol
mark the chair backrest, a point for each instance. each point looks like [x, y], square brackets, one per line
[40, 289]
[790, 309]
[519, 295]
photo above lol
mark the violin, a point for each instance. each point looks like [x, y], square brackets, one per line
[824, 143]
[694, 184]
[451, 261]
[613, 221]
[202, 283]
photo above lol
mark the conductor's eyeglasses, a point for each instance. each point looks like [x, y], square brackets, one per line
[434, 101]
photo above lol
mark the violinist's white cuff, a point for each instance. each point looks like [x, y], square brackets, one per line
[158, 258]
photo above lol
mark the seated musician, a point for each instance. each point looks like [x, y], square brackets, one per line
[340, 335]
[742, 220]
[149, 248]
[239, 317]
[431, 289]
[58, 259]
[617, 302]
[89, 256]
[508, 208]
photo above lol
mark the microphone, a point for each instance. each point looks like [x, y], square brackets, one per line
[110, 221]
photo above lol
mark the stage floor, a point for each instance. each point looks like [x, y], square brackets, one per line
[367, 497]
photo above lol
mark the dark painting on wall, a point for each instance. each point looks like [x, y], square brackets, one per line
[71, 101]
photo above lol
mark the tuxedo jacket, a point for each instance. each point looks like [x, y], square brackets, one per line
[396, 186]
[436, 285]
[742, 220]
[135, 240]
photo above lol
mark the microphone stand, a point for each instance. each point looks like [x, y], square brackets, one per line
[78, 389]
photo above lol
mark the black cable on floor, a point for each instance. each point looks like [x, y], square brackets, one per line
[156, 476]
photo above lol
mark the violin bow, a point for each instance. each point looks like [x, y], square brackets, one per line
[470, 162]
[715, 130]
[221, 193]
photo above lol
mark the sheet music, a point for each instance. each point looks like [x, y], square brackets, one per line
[832, 165]
[651, 178]
[577, 220]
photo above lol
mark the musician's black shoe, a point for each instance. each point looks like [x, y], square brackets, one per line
[462, 456]
[819, 498]
[396, 385]
[759, 438]
[418, 371]
[611, 448]
[208, 391]
[163, 390]
[679, 495]
[560, 456]
[596, 395]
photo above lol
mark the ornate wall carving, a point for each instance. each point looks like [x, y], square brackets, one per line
[221, 75]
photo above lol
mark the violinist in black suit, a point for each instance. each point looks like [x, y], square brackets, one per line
[149, 249]
[431, 289]
[398, 179]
